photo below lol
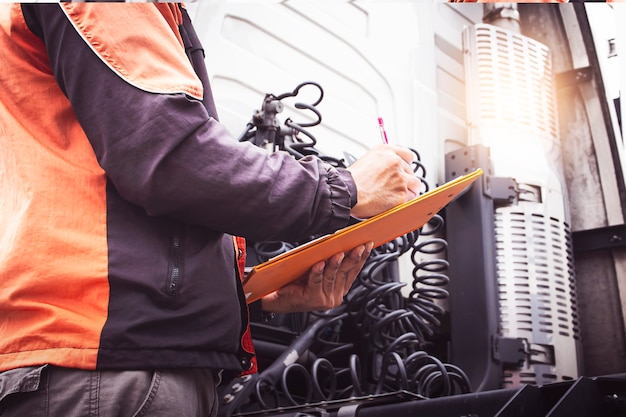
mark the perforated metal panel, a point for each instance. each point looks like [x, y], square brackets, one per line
[536, 293]
[512, 82]
[511, 110]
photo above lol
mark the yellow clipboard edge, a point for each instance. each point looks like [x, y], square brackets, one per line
[255, 289]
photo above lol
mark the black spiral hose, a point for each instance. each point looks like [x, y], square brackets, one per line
[391, 333]
[378, 324]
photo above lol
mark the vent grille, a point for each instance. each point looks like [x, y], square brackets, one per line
[512, 111]
[536, 288]
[513, 84]
[534, 265]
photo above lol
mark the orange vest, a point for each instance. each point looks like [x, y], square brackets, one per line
[43, 150]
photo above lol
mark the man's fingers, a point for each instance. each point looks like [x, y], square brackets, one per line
[351, 267]
[330, 273]
[329, 281]
[414, 186]
[404, 153]
[354, 259]
[316, 276]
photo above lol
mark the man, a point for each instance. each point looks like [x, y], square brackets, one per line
[121, 194]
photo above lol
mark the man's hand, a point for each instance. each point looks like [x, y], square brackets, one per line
[325, 286]
[384, 179]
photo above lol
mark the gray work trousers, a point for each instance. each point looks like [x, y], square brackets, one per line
[50, 391]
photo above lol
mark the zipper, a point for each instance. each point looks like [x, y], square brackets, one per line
[176, 267]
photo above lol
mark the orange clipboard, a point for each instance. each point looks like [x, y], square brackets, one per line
[380, 229]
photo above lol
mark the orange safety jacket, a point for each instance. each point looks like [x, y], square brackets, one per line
[121, 194]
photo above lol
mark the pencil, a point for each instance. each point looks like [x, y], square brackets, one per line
[383, 132]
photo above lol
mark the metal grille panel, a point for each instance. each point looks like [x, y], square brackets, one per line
[512, 110]
[513, 85]
[537, 296]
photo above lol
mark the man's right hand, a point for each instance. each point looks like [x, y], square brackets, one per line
[384, 179]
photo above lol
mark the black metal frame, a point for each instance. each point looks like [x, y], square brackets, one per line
[476, 345]
[603, 396]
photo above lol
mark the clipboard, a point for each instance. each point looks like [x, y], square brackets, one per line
[380, 229]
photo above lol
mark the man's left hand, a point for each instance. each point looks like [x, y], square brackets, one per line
[324, 288]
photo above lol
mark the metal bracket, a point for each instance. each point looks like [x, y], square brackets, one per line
[515, 351]
[601, 238]
[541, 354]
[502, 190]
[574, 77]
[509, 351]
